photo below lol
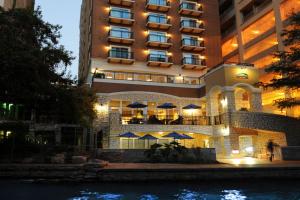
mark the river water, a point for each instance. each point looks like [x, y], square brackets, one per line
[201, 190]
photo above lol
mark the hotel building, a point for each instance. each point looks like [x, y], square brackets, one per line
[7, 4]
[168, 51]
[251, 33]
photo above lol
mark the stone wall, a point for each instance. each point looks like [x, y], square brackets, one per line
[137, 155]
[291, 153]
[265, 121]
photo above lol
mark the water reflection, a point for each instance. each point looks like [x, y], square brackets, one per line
[85, 195]
[233, 195]
[256, 190]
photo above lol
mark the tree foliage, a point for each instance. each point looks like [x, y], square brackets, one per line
[34, 69]
[286, 67]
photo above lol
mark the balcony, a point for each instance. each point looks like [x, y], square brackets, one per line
[190, 9]
[191, 26]
[127, 3]
[155, 22]
[193, 63]
[122, 37]
[158, 41]
[188, 44]
[121, 17]
[146, 77]
[122, 57]
[158, 5]
[158, 60]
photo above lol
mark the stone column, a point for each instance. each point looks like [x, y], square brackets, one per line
[256, 101]
[228, 93]
[278, 23]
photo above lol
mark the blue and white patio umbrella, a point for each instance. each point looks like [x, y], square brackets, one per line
[187, 137]
[128, 135]
[175, 136]
[166, 106]
[148, 137]
[192, 107]
[136, 105]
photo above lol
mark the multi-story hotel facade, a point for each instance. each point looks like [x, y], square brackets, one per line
[165, 55]
[251, 33]
[7, 4]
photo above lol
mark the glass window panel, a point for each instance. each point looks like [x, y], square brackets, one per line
[229, 46]
[261, 46]
[258, 27]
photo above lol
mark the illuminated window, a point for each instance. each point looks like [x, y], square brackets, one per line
[233, 59]
[229, 46]
[259, 27]
[289, 6]
[261, 46]
[265, 61]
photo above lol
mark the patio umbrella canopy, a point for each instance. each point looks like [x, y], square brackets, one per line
[175, 135]
[192, 107]
[136, 105]
[148, 137]
[166, 106]
[186, 137]
[128, 135]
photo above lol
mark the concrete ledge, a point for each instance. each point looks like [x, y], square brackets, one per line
[171, 172]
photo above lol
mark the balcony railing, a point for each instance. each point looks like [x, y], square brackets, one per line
[158, 5]
[191, 26]
[159, 41]
[158, 22]
[190, 44]
[119, 56]
[122, 2]
[118, 36]
[145, 77]
[167, 120]
[193, 63]
[192, 9]
[121, 17]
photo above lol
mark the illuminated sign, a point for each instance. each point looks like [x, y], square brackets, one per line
[242, 76]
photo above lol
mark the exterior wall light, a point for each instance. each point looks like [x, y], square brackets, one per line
[225, 131]
[224, 102]
[235, 151]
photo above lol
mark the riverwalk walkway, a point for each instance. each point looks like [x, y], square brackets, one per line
[228, 169]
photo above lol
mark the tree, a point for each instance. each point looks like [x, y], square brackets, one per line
[287, 68]
[34, 69]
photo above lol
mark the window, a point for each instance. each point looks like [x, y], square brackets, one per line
[188, 5]
[289, 6]
[192, 59]
[155, 36]
[157, 18]
[158, 55]
[189, 22]
[190, 40]
[261, 46]
[229, 46]
[259, 27]
[158, 2]
[120, 52]
[120, 32]
[120, 13]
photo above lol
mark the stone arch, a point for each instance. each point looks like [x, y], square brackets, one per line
[254, 102]
[214, 96]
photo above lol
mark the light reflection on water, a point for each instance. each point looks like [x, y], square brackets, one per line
[184, 194]
[203, 190]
